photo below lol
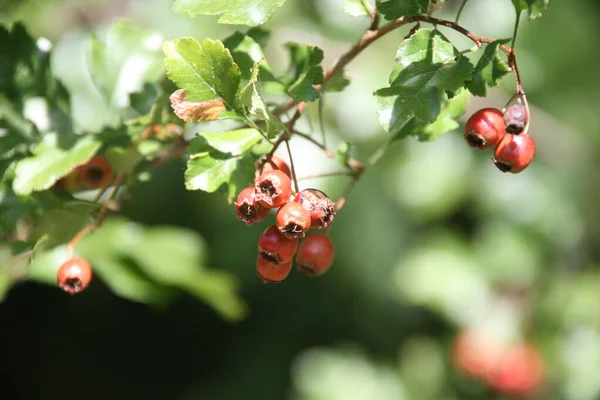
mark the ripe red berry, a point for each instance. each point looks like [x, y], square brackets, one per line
[247, 209]
[293, 220]
[95, 173]
[320, 207]
[271, 272]
[516, 118]
[476, 352]
[514, 153]
[273, 189]
[278, 164]
[485, 128]
[275, 247]
[315, 254]
[74, 275]
[519, 371]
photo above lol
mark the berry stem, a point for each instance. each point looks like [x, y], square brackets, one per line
[294, 179]
[105, 207]
[512, 63]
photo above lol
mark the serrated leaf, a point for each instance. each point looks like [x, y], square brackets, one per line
[124, 62]
[235, 142]
[445, 121]
[246, 52]
[428, 67]
[535, 8]
[123, 159]
[206, 71]
[393, 9]
[306, 71]
[489, 69]
[242, 12]
[252, 101]
[51, 162]
[357, 8]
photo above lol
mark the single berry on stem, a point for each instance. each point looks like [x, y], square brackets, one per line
[273, 189]
[95, 173]
[270, 272]
[320, 207]
[516, 118]
[519, 371]
[247, 209]
[275, 247]
[276, 163]
[514, 153]
[485, 128]
[315, 254]
[74, 275]
[293, 220]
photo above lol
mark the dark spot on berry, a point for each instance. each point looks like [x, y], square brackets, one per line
[502, 166]
[272, 258]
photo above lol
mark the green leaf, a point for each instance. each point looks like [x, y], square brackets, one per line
[428, 67]
[306, 71]
[445, 122]
[206, 72]
[123, 159]
[535, 8]
[342, 153]
[393, 9]
[252, 101]
[124, 62]
[52, 160]
[489, 69]
[336, 83]
[357, 8]
[235, 142]
[241, 12]
[73, 216]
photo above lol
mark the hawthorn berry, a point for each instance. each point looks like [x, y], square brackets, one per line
[476, 352]
[514, 153]
[485, 128]
[293, 220]
[247, 209]
[315, 254]
[320, 207]
[276, 163]
[275, 247]
[270, 272]
[516, 118]
[74, 275]
[273, 189]
[519, 371]
[95, 173]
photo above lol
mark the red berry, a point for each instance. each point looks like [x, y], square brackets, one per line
[476, 352]
[485, 128]
[293, 220]
[315, 254]
[273, 189]
[271, 272]
[277, 164]
[275, 247]
[516, 119]
[74, 275]
[95, 173]
[514, 153]
[320, 207]
[247, 209]
[519, 371]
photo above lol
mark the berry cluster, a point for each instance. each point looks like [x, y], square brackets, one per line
[74, 275]
[490, 127]
[94, 174]
[515, 369]
[296, 214]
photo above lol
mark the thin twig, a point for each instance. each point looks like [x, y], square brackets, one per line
[104, 211]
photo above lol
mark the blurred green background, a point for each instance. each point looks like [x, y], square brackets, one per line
[433, 240]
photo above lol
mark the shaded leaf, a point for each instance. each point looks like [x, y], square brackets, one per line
[336, 83]
[393, 9]
[242, 12]
[123, 159]
[535, 8]
[305, 71]
[489, 69]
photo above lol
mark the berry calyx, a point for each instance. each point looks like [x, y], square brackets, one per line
[95, 173]
[247, 209]
[516, 118]
[320, 207]
[315, 255]
[514, 153]
[273, 189]
[276, 163]
[74, 275]
[519, 371]
[485, 128]
[270, 272]
[275, 247]
[293, 220]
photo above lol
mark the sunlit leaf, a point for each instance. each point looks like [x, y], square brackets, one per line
[242, 12]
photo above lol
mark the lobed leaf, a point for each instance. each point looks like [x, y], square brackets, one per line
[305, 71]
[489, 69]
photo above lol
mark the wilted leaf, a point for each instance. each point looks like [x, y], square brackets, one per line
[207, 110]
